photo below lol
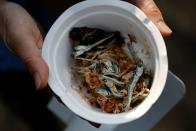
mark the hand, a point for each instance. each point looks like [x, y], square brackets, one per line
[23, 37]
[152, 11]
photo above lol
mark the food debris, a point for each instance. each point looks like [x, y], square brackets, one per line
[116, 83]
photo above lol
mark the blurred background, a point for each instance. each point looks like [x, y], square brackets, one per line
[22, 108]
[182, 61]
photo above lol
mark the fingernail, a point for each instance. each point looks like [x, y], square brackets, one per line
[164, 28]
[37, 80]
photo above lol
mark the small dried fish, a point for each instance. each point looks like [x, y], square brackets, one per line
[105, 46]
[114, 90]
[102, 47]
[84, 69]
[89, 47]
[139, 96]
[122, 73]
[85, 59]
[111, 69]
[80, 47]
[143, 93]
[117, 82]
[110, 74]
[103, 91]
[93, 66]
[108, 65]
[87, 68]
[124, 91]
[138, 72]
[116, 68]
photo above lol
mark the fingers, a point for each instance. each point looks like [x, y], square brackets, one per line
[23, 37]
[28, 50]
[152, 11]
[34, 62]
[26, 44]
[38, 69]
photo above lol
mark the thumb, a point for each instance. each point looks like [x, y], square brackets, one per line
[153, 13]
[22, 36]
[28, 50]
[36, 65]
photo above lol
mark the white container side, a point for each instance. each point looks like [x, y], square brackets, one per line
[109, 15]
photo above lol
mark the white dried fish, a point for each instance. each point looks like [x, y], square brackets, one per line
[89, 47]
[116, 68]
[143, 93]
[106, 46]
[138, 72]
[103, 92]
[109, 66]
[85, 59]
[117, 82]
[111, 74]
[87, 68]
[111, 69]
[110, 84]
[80, 47]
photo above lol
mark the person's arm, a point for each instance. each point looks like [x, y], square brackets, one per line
[22, 36]
[153, 13]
